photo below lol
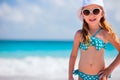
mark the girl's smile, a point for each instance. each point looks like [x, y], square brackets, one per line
[92, 20]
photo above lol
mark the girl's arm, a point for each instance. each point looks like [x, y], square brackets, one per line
[74, 54]
[116, 43]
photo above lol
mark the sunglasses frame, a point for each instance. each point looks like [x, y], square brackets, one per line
[91, 11]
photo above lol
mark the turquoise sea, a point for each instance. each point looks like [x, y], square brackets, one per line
[34, 60]
[20, 49]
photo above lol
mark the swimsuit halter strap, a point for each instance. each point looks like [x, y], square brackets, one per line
[97, 32]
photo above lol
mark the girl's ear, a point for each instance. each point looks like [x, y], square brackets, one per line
[103, 14]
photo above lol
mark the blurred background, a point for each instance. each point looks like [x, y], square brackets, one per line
[36, 37]
[47, 19]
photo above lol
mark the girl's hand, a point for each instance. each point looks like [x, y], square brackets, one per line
[105, 74]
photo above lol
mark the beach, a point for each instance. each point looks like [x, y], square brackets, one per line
[42, 60]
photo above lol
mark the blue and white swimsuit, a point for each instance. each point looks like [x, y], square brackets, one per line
[85, 76]
[94, 41]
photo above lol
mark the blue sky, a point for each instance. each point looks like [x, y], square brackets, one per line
[47, 19]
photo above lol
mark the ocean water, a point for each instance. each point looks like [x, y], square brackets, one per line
[20, 49]
[34, 60]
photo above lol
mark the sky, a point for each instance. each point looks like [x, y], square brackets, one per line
[47, 19]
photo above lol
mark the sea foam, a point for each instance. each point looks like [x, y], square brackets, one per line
[39, 68]
[46, 68]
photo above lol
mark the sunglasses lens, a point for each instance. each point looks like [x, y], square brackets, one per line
[86, 12]
[96, 11]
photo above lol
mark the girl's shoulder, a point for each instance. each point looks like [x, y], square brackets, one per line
[113, 39]
[108, 35]
[79, 32]
[78, 35]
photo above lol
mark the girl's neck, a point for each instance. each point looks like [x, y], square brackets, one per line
[93, 28]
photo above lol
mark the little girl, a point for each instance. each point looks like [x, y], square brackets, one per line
[91, 40]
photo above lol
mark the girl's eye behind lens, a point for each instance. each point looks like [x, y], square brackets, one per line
[96, 11]
[86, 12]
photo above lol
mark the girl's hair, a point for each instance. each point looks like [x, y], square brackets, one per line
[104, 25]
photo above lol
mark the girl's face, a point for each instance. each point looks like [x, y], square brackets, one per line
[92, 14]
